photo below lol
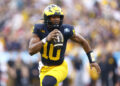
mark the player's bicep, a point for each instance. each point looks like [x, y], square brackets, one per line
[34, 39]
[82, 41]
[78, 38]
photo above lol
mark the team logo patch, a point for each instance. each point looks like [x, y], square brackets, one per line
[66, 30]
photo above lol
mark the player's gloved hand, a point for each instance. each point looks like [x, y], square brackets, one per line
[52, 35]
[96, 67]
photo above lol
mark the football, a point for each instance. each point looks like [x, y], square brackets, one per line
[58, 43]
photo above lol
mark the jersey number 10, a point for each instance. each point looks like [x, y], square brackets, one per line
[51, 57]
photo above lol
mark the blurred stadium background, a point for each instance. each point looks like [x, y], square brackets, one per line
[96, 20]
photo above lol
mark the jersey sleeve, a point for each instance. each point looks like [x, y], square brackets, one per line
[36, 30]
[71, 32]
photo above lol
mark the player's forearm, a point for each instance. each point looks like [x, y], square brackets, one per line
[86, 46]
[79, 39]
[36, 47]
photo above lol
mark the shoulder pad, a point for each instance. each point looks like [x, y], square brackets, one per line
[38, 26]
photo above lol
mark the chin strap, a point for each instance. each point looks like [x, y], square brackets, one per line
[54, 26]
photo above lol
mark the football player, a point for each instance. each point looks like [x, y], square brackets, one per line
[54, 68]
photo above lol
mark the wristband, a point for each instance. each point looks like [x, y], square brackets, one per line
[91, 57]
[44, 40]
